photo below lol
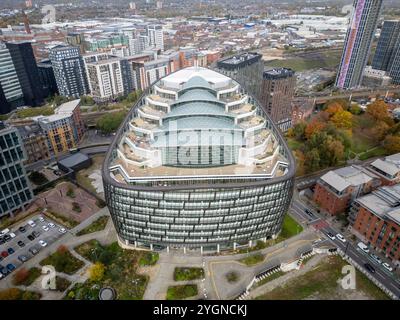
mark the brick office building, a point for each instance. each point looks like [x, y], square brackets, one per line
[375, 218]
[336, 189]
[387, 169]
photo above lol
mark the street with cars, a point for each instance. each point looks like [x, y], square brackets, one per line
[361, 253]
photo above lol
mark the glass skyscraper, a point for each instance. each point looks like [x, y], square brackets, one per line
[197, 164]
[358, 43]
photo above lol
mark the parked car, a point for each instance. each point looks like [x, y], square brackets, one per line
[31, 223]
[4, 271]
[10, 267]
[376, 258]
[341, 237]
[33, 250]
[309, 212]
[331, 236]
[363, 247]
[51, 225]
[387, 266]
[4, 232]
[4, 254]
[21, 243]
[10, 250]
[369, 267]
[42, 243]
[22, 229]
[31, 237]
[41, 219]
[22, 258]
[12, 235]
[62, 230]
[2, 241]
[45, 228]
[7, 238]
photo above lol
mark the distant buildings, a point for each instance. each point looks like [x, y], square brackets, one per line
[109, 78]
[77, 39]
[375, 78]
[15, 190]
[69, 71]
[387, 169]
[148, 72]
[335, 190]
[302, 109]
[35, 142]
[246, 68]
[47, 78]
[156, 37]
[375, 218]
[276, 95]
[27, 72]
[388, 44]
[9, 82]
[64, 129]
[358, 43]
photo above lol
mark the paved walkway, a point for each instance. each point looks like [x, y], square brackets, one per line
[216, 286]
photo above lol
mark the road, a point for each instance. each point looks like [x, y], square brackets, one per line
[298, 210]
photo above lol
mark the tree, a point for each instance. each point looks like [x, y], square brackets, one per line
[312, 160]
[378, 110]
[333, 108]
[299, 130]
[300, 159]
[343, 119]
[87, 101]
[110, 122]
[355, 109]
[10, 294]
[380, 130]
[314, 126]
[336, 150]
[96, 272]
[20, 276]
[392, 144]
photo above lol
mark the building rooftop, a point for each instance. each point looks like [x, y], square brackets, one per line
[343, 178]
[390, 165]
[278, 73]
[68, 107]
[384, 202]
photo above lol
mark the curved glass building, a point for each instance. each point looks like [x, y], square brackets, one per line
[197, 164]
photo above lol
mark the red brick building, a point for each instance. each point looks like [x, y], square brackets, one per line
[387, 169]
[335, 190]
[375, 219]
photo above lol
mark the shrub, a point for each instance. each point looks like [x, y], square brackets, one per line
[70, 192]
[96, 272]
[76, 207]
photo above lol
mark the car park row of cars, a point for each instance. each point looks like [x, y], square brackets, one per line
[7, 236]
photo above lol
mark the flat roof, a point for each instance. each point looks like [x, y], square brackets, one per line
[74, 160]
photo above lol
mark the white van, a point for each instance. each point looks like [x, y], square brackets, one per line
[4, 232]
[363, 247]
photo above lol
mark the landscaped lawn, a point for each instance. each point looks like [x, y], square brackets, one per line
[273, 276]
[293, 143]
[120, 272]
[252, 259]
[322, 283]
[182, 292]
[24, 277]
[184, 274]
[289, 228]
[68, 222]
[95, 226]
[18, 294]
[149, 259]
[63, 261]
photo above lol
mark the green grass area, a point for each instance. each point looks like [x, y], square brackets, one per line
[274, 276]
[182, 292]
[62, 284]
[95, 226]
[120, 272]
[322, 281]
[24, 277]
[375, 152]
[18, 294]
[149, 259]
[68, 222]
[327, 59]
[293, 143]
[33, 112]
[185, 274]
[253, 259]
[63, 261]
[289, 228]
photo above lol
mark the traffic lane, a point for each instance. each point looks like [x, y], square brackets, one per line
[361, 258]
[299, 210]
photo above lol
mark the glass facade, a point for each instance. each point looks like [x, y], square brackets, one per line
[212, 200]
[15, 191]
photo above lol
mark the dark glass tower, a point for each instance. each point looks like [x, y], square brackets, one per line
[27, 72]
[389, 42]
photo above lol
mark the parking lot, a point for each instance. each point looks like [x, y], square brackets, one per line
[49, 236]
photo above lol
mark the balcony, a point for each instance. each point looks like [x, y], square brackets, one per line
[143, 124]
